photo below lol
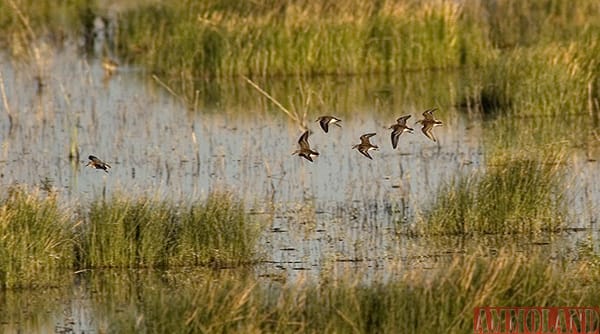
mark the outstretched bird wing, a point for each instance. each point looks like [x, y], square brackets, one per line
[303, 141]
[395, 136]
[427, 131]
[402, 120]
[364, 139]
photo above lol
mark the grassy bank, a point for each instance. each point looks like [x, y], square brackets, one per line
[557, 79]
[220, 38]
[217, 38]
[418, 302]
[532, 57]
[41, 241]
[224, 38]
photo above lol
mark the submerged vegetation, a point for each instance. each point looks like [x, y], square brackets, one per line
[40, 241]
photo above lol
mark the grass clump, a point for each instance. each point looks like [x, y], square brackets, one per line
[422, 301]
[123, 232]
[516, 194]
[36, 244]
[39, 241]
[216, 231]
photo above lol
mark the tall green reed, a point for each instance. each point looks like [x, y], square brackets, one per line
[215, 232]
[124, 232]
[36, 243]
[205, 40]
[144, 232]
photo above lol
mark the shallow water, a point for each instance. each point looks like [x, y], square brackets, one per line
[339, 213]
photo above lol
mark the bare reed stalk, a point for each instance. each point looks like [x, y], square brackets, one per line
[291, 115]
[32, 36]
[196, 149]
[590, 98]
[5, 103]
[306, 103]
[74, 145]
[165, 86]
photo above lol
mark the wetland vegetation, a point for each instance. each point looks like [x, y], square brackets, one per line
[502, 211]
[42, 240]
[515, 195]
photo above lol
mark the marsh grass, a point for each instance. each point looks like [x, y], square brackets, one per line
[36, 242]
[40, 240]
[144, 232]
[216, 38]
[421, 301]
[125, 232]
[514, 23]
[549, 80]
[220, 38]
[24, 22]
[216, 232]
[535, 57]
[517, 193]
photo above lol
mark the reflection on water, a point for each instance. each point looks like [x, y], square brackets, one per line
[340, 212]
[107, 301]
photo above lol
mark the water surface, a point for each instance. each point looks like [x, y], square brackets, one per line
[340, 213]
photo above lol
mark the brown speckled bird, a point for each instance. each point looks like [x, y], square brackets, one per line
[365, 145]
[399, 128]
[97, 163]
[428, 123]
[305, 150]
[325, 121]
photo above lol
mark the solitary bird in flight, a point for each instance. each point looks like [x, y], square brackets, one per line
[325, 121]
[428, 123]
[97, 163]
[305, 150]
[365, 145]
[399, 128]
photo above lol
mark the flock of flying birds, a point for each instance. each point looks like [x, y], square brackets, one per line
[428, 122]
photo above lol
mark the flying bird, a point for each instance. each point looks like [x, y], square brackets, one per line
[365, 145]
[325, 121]
[305, 150]
[428, 123]
[399, 128]
[97, 164]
